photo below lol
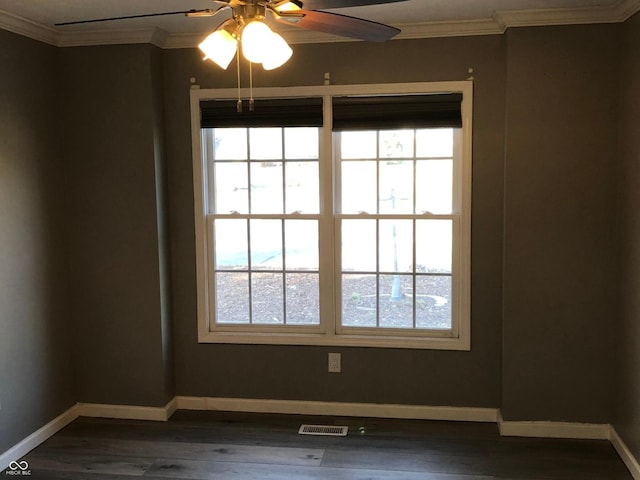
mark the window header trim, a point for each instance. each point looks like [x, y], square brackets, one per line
[414, 88]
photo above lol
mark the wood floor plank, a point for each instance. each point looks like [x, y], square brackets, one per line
[68, 475]
[414, 461]
[197, 470]
[118, 465]
[184, 450]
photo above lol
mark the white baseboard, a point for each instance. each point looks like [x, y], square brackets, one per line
[591, 431]
[419, 412]
[19, 450]
[171, 407]
[128, 412]
[627, 457]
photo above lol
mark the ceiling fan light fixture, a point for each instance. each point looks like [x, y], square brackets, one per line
[220, 47]
[277, 53]
[256, 40]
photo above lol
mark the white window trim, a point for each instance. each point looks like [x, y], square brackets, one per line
[327, 334]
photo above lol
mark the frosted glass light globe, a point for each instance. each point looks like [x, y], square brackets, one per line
[220, 47]
[256, 37]
[277, 52]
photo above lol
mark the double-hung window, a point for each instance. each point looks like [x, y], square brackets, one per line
[334, 216]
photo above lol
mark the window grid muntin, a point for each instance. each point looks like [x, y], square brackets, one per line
[281, 216]
[250, 264]
[209, 147]
[377, 216]
[414, 274]
[414, 159]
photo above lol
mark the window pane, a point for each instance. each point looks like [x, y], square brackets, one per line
[396, 186]
[266, 187]
[266, 244]
[396, 144]
[396, 301]
[359, 302]
[301, 244]
[435, 194]
[267, 298]
[302, 187]
[395, 247]
[359, 245]
[434, 142]
[232, 298]
[231, 252]
[265, 143]
[433, 302]
[358, 145]
[230, 143]
[433, 246]
[301, 143]
[231, 188]
[303, 299]
[359, 187]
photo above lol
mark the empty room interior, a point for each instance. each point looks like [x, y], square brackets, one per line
[424, 224]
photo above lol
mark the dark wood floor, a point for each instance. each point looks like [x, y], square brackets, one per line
[228, 446]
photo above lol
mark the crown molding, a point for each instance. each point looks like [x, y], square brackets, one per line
[28, 28]
[498, 24]
[626, 9]
[154, 36]
[184, 40]
[617, 13]
[450, 29]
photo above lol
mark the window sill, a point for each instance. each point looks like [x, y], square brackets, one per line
[377, 341]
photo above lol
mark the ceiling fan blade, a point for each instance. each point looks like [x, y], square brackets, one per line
[207, 12]
[329, 4]
[342, 25]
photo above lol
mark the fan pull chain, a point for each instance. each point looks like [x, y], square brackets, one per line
[251, 102]
[239, 104]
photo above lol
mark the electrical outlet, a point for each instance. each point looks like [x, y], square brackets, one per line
[334, 363]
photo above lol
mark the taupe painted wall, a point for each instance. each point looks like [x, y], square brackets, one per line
[36, 370]
[113, 146]
[369, 375]
[627, 420]
[560, 308]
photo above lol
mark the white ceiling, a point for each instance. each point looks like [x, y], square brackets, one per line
[416, 18]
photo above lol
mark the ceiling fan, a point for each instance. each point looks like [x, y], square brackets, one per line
[246, 26]
[246, 29]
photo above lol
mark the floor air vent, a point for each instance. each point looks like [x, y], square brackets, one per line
[330, 430]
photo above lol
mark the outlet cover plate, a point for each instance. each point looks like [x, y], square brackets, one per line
[335, 363]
